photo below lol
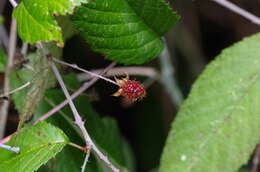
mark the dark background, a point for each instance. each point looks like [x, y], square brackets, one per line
[204, 30]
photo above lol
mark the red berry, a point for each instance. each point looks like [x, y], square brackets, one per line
[133, 90]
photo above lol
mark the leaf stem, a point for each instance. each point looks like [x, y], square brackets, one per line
[239, 11]
[80, 123]
[10, 148]
[83, 70]
[84, 149]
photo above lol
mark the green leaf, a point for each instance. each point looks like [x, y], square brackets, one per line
[36, 20]
[37, 145]
[217, 128]
[126, 31]
[3, 61]
[103, 131]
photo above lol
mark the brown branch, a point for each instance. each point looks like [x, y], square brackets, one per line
[83, 148]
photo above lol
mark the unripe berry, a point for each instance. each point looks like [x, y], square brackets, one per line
[131, 89]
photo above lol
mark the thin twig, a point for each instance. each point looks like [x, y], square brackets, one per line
[239, 11]
[11, 53]
[168, 78]
[133, 70]
[256, 159]
[10, 148]
[14, 3]
[80, 123]
[85, 161]
[24, 49]
[15, 90]
[83, 70]
[83, 88]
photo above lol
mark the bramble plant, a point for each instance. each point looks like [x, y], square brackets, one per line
[216, 128]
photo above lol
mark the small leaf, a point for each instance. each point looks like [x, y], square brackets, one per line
[126, 31]
[217, 128]
[37, 145]
[36, 19]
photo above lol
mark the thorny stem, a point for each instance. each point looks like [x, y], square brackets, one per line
[10, 148]
[80, 123]
[11, 53]
[83, 70]
[74, 95]
[15, 90]
[238, 10]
